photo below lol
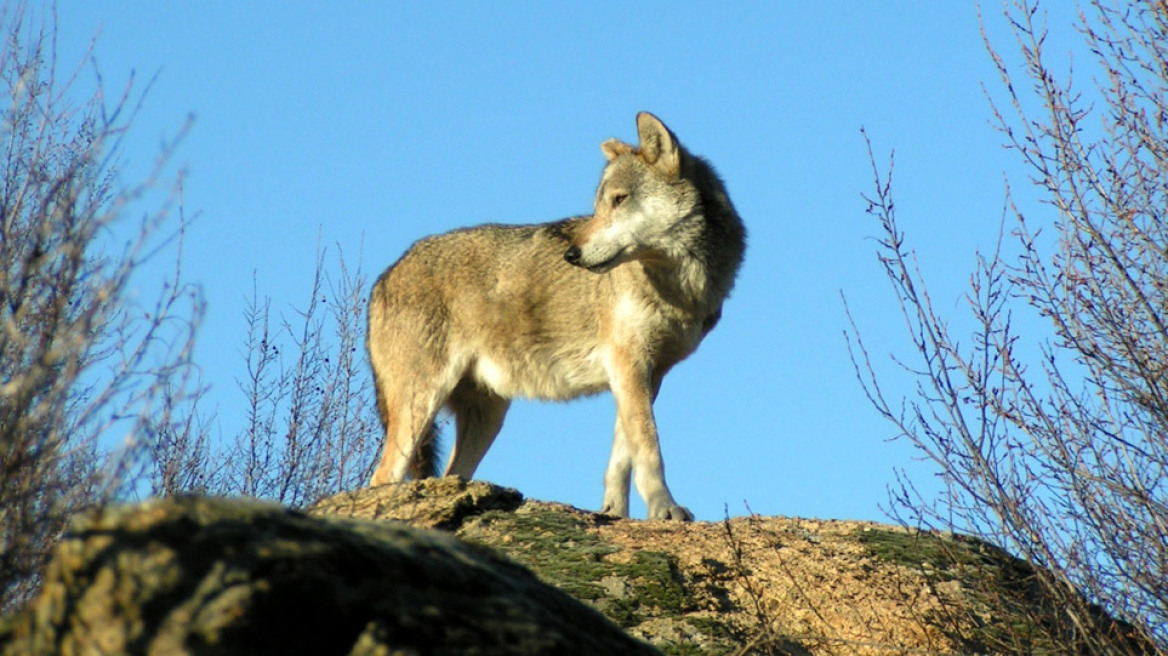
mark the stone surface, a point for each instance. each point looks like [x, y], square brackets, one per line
[443, 503]
[516, 576]
[757, 585]
[215, 576]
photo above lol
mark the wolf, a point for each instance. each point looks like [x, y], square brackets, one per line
[469, 319]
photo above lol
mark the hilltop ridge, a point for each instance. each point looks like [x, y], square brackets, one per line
[455, 566]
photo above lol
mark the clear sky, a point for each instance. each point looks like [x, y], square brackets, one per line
[375, 124]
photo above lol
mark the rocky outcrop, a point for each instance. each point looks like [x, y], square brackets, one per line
[364, 573]
[758, 585]
[217, 576]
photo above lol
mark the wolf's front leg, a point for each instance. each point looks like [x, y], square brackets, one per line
[616, 477]
[634, 407]
[650, 479]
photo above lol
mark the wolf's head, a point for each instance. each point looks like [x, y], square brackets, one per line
[647, 207]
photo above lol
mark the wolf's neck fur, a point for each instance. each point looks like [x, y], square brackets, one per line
[683, 283]
[699, 275]
[704, 270]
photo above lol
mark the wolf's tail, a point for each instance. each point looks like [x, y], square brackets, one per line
[425, 462]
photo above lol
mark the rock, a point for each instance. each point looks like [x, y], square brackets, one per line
[215, 576]
[759, 585]
[443, 503]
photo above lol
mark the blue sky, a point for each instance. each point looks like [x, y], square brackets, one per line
[375, 124]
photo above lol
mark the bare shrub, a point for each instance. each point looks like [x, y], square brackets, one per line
[310, 427]
[1058, 449]
[80, 358]
[84, 361]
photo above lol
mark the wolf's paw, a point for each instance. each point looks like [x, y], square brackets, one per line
[671, 511]
[615, 509]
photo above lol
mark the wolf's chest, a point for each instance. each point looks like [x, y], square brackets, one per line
[659, 327]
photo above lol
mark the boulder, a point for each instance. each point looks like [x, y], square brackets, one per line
[195, 575]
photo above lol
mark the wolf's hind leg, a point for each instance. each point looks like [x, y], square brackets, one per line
[478, 416]
[409, 422]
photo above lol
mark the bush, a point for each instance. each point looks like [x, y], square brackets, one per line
[1063, 457]
[78, 356]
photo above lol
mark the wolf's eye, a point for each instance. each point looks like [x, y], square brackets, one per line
[617, 199]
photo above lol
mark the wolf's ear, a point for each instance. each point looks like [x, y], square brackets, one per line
[658, 145]
[614, 148]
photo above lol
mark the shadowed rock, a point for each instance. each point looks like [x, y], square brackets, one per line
[215, 576]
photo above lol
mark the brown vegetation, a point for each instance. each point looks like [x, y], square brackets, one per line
[77, 355]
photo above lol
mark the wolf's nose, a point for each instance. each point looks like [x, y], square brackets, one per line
[572, 255]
